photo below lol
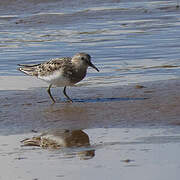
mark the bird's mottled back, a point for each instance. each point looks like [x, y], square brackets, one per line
[53, 65]
[46, 68]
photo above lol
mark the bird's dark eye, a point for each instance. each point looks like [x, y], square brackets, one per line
[82, 58]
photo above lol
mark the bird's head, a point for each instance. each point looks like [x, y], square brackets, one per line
[84, 59]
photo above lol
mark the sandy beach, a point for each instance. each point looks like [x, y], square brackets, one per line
[132, 128]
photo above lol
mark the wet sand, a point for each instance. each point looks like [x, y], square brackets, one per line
[154, 104]
[131, 128]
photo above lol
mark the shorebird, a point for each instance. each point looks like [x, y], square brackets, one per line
[60, 72]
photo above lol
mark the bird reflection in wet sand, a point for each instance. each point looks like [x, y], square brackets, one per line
[60, 72]
[62, 139]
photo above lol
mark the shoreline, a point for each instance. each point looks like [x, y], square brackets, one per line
[137, 105]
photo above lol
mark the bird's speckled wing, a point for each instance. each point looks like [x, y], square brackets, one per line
[53, 65]
[47, 68]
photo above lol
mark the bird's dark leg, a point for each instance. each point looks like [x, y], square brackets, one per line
[177, 5]
[49, 92]
[64, 91]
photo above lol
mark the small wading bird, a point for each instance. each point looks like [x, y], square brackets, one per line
[60, 72]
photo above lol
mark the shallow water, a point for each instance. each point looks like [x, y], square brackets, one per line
[131, 41]
[118, 153]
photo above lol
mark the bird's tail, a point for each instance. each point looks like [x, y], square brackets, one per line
[28, 69]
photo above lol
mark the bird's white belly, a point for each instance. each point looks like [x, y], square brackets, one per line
[56, 79]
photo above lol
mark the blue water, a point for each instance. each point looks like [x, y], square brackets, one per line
[129, 41]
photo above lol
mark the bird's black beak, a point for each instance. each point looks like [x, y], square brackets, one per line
[93, 66]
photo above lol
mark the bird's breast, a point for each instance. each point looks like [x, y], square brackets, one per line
[78, 75]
